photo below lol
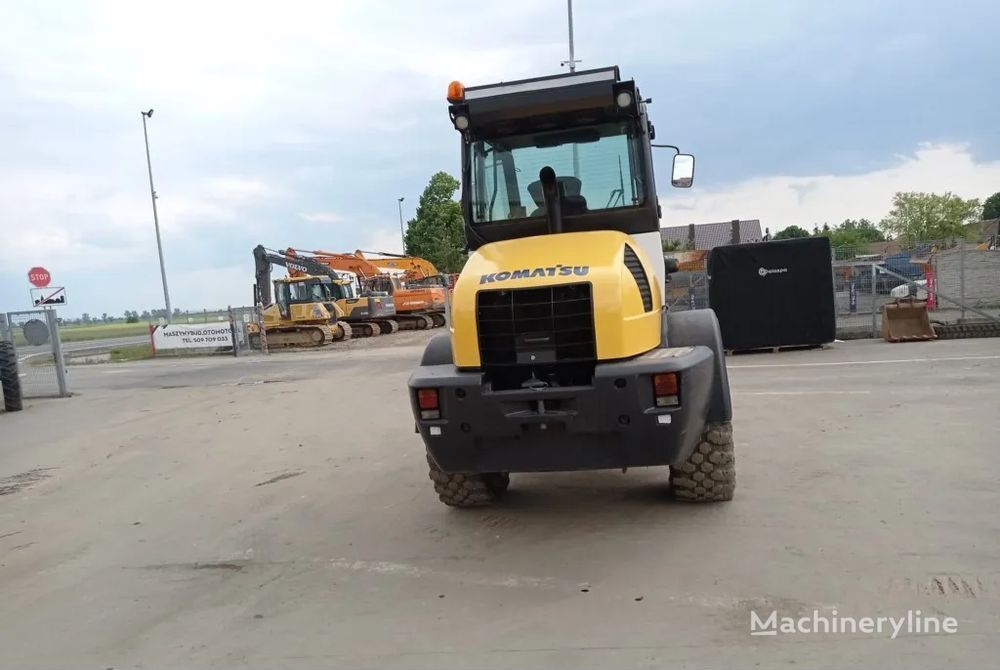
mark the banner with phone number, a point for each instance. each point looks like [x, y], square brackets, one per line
[194, 336]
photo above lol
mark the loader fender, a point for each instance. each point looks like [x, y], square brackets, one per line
[438, 351]
[700, 327]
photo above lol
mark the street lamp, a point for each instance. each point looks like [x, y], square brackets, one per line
[402, 233]
[156, 218]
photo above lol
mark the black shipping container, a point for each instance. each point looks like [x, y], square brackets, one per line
[773, 294]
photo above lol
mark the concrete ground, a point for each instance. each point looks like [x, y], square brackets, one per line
[275, 512]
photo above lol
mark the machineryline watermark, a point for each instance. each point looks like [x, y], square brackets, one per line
[833, 623]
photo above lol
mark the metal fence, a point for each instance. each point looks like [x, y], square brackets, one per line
[960, 279]
[241, 318]
[41, 366]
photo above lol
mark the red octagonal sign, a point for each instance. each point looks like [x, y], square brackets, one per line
[39, 276]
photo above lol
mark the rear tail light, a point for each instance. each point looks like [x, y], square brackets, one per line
[427, 400]
[666, 389]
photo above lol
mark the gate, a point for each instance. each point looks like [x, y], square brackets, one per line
[35, 334]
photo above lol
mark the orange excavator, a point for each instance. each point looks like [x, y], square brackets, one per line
[414, 283]
[416, 271]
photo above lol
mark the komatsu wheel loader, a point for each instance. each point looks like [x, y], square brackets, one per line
[561, 354]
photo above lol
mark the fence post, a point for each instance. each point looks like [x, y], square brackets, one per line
[57, 352]
[232, 331]
[874, 300]
[961, 279]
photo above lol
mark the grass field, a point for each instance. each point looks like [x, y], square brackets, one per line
[140, 352]
[100, 331]
[103, 331]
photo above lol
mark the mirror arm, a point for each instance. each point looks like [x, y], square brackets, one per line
[666, 146]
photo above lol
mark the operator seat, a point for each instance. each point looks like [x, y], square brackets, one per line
[572, 203]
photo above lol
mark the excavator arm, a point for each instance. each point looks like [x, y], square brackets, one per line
[415, 267]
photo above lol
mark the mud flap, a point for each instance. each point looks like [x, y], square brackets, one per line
[700, 327]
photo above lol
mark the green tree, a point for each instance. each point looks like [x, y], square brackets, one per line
[991, 207]
[790, 232]
[855, 233]
[437, 232]
[929, 216]
[673, 245]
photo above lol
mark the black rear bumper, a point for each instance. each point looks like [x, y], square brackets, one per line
[612, 423]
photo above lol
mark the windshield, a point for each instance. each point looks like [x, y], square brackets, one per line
[596, 165]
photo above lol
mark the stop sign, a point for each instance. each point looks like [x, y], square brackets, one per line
[39, 276]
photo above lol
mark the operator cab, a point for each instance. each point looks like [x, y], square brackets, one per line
[563, 153]
[290, 291]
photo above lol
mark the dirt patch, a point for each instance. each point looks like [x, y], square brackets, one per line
[278, 478]
[16, 483]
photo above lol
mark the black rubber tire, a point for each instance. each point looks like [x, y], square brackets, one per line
[467, 490]
[10, 382]
[709, 474]
[438, 319]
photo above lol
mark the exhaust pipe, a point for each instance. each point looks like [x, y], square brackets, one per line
[552, 191]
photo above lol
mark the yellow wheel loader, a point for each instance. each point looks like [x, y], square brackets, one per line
[561, 354]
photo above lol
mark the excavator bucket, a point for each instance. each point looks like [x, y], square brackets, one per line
[906, 320]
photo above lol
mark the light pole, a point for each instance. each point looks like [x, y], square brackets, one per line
[156, 218]
[402, 233]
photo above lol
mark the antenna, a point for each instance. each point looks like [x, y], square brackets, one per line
[572, 55]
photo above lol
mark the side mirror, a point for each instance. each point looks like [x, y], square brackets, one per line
[682, 175]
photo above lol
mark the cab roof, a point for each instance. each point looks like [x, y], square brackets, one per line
[554, 101]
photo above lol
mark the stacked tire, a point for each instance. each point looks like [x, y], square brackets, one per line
[10, 382]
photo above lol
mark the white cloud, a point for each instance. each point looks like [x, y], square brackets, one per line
[322, 217]
[781, 201]
[212, 287]
[79, 221]
[383, 239]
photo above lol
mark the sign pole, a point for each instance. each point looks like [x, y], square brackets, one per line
[57, 352]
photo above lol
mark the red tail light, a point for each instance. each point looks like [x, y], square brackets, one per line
[427, 398]
[429, 403]
[666, 389]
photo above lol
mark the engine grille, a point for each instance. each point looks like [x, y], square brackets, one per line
[530, 326]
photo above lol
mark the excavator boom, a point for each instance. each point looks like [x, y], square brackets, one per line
[414, 267]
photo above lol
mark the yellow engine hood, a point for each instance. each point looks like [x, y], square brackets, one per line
[622, 326]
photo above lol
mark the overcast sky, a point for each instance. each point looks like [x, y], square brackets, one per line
[299, 123]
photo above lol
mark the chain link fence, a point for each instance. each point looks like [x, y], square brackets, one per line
[41, 366]
[241, 319]
[959, 279]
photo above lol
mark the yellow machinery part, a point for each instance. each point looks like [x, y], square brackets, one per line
[622, 327]
[299, 336]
